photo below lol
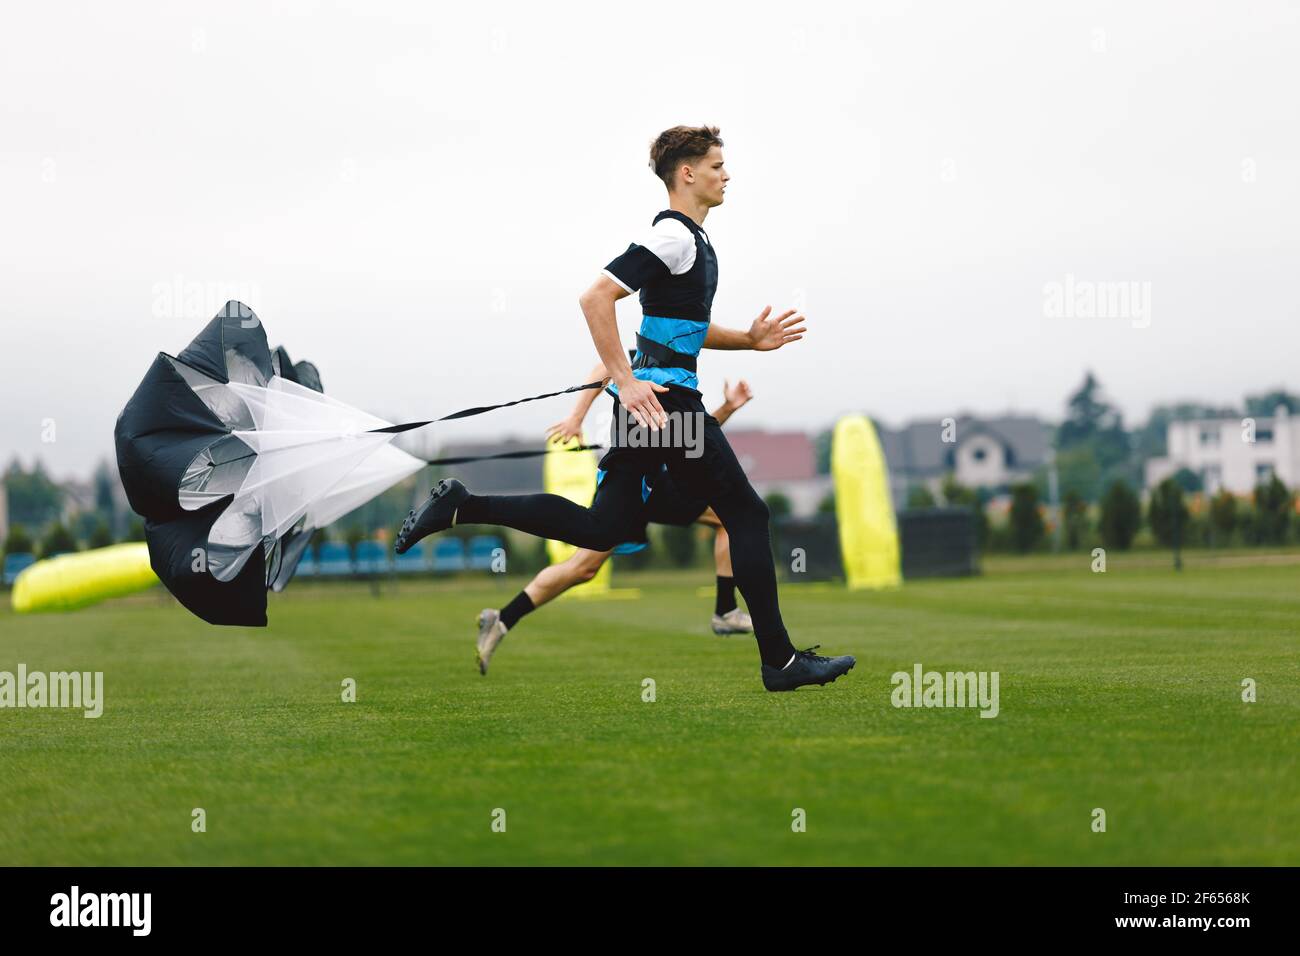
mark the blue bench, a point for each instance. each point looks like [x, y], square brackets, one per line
[372, 558]
[415, 561]
[449, 554]
[480, 551]
[335, 561]
[16, 563]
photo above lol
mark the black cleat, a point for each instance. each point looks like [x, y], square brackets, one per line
[436, 514]
[806, 668]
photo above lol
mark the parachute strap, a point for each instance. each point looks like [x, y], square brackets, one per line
[532, 453]
[470, 412]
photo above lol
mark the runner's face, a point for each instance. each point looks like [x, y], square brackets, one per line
[709, 177]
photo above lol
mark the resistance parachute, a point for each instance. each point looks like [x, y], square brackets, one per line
[233, 455]
[864, 508]
[71, 581]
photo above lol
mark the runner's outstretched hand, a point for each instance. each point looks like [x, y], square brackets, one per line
[768, 333]
[564, 430]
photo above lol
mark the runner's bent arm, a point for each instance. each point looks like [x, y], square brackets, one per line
[736, 398]
[636, 396]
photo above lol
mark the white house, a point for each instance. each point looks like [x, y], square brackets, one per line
[1232, 453]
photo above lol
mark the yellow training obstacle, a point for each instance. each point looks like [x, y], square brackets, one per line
[864, 507]
[572, 475]
[70, 581]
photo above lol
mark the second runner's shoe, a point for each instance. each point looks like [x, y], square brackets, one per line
[734, 621]
[490, 633]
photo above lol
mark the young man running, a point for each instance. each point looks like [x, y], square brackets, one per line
[676, 270]
[663, 504]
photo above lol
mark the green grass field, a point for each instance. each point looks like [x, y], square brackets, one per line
[1119, 690]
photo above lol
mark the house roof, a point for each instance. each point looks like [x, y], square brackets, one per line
[917, 448]
[774, 456]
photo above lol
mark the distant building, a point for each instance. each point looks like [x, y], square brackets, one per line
[78, 497]
[1219, 451]
[784, 462]
[984, 452]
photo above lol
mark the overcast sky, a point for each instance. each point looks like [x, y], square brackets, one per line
[414, 195]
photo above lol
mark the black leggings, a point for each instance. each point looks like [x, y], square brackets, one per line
[618, 515]
[615, 516]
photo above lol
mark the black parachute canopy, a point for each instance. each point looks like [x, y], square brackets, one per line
[185, 450]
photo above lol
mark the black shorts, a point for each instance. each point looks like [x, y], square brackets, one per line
[697, 456]
[669, 504]
[659, 503]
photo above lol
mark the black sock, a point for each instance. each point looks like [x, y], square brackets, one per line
[516, 609]
[726, 600]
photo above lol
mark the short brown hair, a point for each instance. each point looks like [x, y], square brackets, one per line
[678, 145]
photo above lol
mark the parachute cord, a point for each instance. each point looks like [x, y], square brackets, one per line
[479, 410]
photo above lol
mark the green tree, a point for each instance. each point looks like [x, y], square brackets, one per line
[778, 504]
[1026, 520]
[827, 505]
[1273, 509]
[919, 496]
[1074, 516]
[57, 540]
[1167, 513]
[101, 536]
[1263, 406]
[34, 498]
[135, 529]
[1079, 472]
[1121, 516]
[1095, 427]
[1223, 516]
[957, 495]
[18, 541]
[1187, 480]
[822, 451]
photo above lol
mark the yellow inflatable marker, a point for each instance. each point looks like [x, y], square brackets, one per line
[71, 581]
[572, 475]
[864, 507]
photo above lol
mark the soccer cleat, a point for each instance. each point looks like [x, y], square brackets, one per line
[490, 633]
[434, 515]
[734, 621]
[806, 668]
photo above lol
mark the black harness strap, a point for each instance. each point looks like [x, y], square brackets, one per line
[652, 354]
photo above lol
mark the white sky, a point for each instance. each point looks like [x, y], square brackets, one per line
[413, 196]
